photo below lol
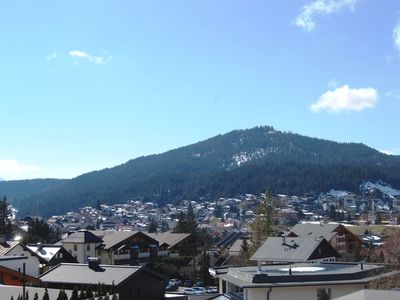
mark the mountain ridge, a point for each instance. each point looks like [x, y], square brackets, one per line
[238, 162]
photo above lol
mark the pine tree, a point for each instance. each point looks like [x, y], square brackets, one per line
[74, 295]
[5, 218]
[46, 295]
[82, 294]
[36, 296]
[89, 292]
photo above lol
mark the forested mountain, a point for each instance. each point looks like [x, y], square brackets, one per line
[241, 161]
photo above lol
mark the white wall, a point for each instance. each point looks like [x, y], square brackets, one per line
[81, 252]
[31, 263]
[299, 293]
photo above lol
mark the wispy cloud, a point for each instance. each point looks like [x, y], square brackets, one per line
[97, 59]
[346, 99]
[333, 83]
[393, 95]
[52, 56]
[396, 36]
[11, 167]
[306, 19]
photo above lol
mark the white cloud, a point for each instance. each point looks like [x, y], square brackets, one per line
[10, 167]
[97, 59]
[321, 7]
[396, 36]
[346, 99]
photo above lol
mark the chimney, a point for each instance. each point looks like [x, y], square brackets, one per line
[93, 263]
[283, 239]
[39, 247]
[2, 238]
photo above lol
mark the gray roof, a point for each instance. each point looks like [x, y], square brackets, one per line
[114, 238]
[169, 238]
[81, 274]
[7, 246]
[301, 274]
[316, 230]
[296, 249]
[83, 237]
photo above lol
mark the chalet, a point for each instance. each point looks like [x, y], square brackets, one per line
[295, 250]
[50, 255]
[81, 245]
[177, 244]
[17, 249]
[340, 238]
[12, 268]
[131, 282]
[14, 277]
[126, 247]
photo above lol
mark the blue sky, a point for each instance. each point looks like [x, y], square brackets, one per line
[86, 85]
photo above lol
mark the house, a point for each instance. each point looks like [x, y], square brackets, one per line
[177, 244]
[297, 281]
[125, 247]
[295, 249]
[50, 255]
[16, 249]
[369, 294]
[81, 245]
[14, 277]
[12, 267]
[131, 282]
[340, 238]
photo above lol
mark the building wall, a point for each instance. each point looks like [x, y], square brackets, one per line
[299, 293]
[81, 253]
[31, 263]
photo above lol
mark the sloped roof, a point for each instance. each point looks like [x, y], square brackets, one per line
[7, 246]
[116, 237]
[315, 230]
[169, 238]
[81, 274]
[294, 249]
[47, 252]
[82, 236]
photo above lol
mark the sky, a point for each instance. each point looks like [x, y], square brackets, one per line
[86, 85]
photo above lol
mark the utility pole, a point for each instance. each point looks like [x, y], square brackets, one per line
[23, 282]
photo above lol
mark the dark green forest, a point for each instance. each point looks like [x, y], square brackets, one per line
[283, 162]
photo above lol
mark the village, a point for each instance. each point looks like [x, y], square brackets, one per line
[139, 250]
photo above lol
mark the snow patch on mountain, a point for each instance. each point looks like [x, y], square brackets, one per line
[338, 194]
[383, 187]
[245, 157]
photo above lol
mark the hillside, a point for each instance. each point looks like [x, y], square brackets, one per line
[241, 161]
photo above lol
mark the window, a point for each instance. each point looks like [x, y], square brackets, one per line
[75, 247]
[323, 294]
[88, 247]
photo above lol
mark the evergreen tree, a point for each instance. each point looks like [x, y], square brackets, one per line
[46, 295]
[89, 292]
[36, 296]
[5, 218]
[82, 294]
[153, 227]
[74, 295]
[244, 251]
[263, 225]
